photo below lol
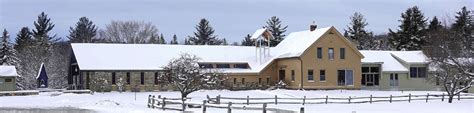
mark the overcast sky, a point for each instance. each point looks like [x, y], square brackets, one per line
[232, 19]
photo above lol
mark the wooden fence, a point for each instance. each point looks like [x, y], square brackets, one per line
[231, 103]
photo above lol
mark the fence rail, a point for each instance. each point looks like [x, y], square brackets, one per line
[231, 103]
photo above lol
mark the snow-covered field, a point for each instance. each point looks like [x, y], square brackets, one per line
[115, 102]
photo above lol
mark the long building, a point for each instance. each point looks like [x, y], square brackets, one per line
[318, 58]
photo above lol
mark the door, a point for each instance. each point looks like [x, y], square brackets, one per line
[281, 75]
[394, 79]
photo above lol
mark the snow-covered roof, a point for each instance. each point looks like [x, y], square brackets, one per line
[297, 42]
[8, 71]
[258, 33]
[389, 61]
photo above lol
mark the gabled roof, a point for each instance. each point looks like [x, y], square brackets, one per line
[393, 61]
[7, 71]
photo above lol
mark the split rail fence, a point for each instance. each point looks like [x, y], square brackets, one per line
[230, 103]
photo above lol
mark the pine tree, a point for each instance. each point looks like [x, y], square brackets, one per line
[23, 39]
[247, 41]
[433, 28]
[356, 33]
[153, 39]
[186, 41]
[274, 26]
[162, 39]
[464, 26]
[174, 40]
[412, 32]
[204, 34]
[7, 53]
[83, 32]
[41, 34]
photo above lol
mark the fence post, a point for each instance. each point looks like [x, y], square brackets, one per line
[264, 107]
[304, 99]
[459, 96]
[229, 110]
[302, 110]
[153, 102]
[390, 98]
[370, 99]
[164, 103]
[326, 100]
[442, 97]
[158, 102]
[409, 98]
[427, 95]
[208, 98]
[248, 100]
[349, 99]
[204, 106]
[149, 101]
[218, 99]
[276, 100]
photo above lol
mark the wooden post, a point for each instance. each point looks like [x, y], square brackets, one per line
[349, 99]
[218, 99]
[459, 96]
[149, 101]
[427, 95]
[442, 97]
[276, 100]
[204, 106]
[153, 102]
[264, 107]
[326, 100]
[302, 110]
[163, 103]
[248, 100]
[370, 99]
[390, 98]
[229, 110]
[409, 98]
[304, 99]
[158, 102]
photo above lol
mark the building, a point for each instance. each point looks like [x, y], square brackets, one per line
[311, 59]
[8, 76]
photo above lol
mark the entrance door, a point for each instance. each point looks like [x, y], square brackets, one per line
[281, 75]
[393, 79]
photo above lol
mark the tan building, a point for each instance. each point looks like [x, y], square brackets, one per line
[311, 59]
[8, 76]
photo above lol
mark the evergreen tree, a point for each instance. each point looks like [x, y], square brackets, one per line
[153, 39]
[41, 34]
[274, 26]
[186, 41]
[23, 39]
[412, 32]
[224, 42]
[433, 28]
[162, 39]
[7, 53]
[356, 33]
[174, 40]
[247, 41]
[204, 34]
[84, 31]
[464, 26]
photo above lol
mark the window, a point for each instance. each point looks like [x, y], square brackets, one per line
[310, 75]
[268, 80]
[113, 77]
[8, 80]
[393, 79]
[320, 53]
[2, 81]
[292, 75]
[87, 80]
[259, 80]
[156, 78]
[205, 65]
[370, 76]
[223, 65]
[142, 78]
[243, 66]
[128, 77]
[243, 80]
[345, 77]
[322, 75]
[235, 80]
[331, 53]
[342, 53]
[417, 72]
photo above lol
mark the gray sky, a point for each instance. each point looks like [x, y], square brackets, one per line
[232, 19]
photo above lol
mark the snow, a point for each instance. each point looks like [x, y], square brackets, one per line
[297, 42]
[114, 102]
[389, 63]
[257, 33]
[8, 71]
[413, 57]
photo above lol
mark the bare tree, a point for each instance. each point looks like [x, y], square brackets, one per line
[185, 74]
[128, 32]
[451, 61]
